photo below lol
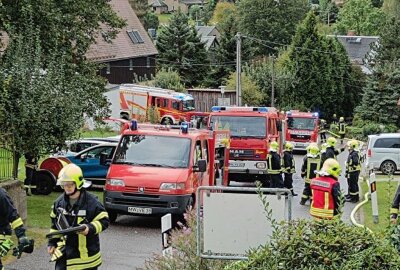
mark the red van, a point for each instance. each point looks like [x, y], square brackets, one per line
[156, 169]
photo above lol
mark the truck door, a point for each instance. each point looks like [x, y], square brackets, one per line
[198, 154]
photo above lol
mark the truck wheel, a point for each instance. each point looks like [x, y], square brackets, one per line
[124, 116]
[388, 167]
[112, 216]
[167, 121]
[44, 183]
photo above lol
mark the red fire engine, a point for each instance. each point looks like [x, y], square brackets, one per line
[301, 128]
[252, 129]
[156, 169]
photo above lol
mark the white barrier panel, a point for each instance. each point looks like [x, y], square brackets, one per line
[234, 223]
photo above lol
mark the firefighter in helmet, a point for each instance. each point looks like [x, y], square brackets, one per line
[78, 207]
[274, 166]
[288, 166]
[311, 164]
[322, 130]
[10, 220]
[353, 168]
[342, 129]
[31, 163]
[326, 191]
[331, 151]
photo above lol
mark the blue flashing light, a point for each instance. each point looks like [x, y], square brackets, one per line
[263, 109]
[288, 113]
[134, 125]
[215, 108]
[185, 127]
[315, 114]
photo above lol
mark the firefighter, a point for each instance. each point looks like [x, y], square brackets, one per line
[78, 250]
[353, 168]
[331, 151]
[10, 220]
[322, 131]
[288, 166]
[326, 191]
[30, 168]
[324, 146]
[311, 164]
[394, 211]
[274, 166]
[334, 119]
[342, 129]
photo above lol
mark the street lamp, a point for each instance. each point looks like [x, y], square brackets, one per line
[222, 87]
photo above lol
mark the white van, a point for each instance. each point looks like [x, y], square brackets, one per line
[383, 152]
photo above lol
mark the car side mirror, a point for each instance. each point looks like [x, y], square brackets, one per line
[103, 159]
[201, 166]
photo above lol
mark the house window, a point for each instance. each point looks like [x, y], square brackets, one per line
[108, 71]
[148, 61]
[130, 64]
[135, 36]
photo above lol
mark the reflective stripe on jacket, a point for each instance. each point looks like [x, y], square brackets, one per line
[310, 165]
[274, 163]
[9, 218]
[353, 162]
[287, 162]
[323, 202]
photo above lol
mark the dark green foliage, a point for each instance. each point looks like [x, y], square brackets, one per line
[180, 49]
[271, 20]
[168, 79]
[377, 3]
[321, 245]
[327, 9]
[381, 94]
[208, 11]
[150, 20]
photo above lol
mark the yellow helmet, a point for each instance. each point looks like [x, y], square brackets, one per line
[331, 167]
[313, 149]
[331, 141]
[274, 146]
[72, 173]
[353, 144]
[341, 119]
[289, 146]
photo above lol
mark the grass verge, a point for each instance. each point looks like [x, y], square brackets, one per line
[385, 193]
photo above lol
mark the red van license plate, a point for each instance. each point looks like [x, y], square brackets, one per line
[138, 210]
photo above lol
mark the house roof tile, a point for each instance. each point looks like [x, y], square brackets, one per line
[122, 47]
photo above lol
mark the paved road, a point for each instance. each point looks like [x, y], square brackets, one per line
[127, 244]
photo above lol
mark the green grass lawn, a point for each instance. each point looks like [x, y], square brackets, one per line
[385, 193]
[164, 18]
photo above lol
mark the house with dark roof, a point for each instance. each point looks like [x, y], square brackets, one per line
[209, 35]
[184, 5]
[158, 6]
[128, 57]
[357, 48]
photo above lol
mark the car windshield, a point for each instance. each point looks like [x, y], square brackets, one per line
[301, 123]
[242, 126]
[154, 151]
[188, 105]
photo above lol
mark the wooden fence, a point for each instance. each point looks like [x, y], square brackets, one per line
[206, 98]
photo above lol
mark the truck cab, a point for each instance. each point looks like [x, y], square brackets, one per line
[301, 128]
[156, 169]
[251, 130]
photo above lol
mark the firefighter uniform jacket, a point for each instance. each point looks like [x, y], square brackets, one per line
[394, 211]
[310, 165]
[353, 162]
[325, 198]
[81, 252]
[288, 164]
[9, 218]
[342, 128]
[274, 163]
[331, 152]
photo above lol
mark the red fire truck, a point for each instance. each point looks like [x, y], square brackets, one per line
[301, 128]
[156, 169]
[252, 129]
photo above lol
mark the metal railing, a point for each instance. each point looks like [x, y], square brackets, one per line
[6, 163]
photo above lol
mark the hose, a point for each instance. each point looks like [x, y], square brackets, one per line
[354, 211]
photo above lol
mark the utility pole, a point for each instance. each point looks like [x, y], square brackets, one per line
[238, 69]
[273, 83]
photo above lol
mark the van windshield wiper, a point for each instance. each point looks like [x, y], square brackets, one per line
[157, 165]
[128, 162]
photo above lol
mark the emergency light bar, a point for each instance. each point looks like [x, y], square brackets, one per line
[314, 114]
[239, 109]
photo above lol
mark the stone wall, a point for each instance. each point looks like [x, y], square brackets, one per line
[17, 193]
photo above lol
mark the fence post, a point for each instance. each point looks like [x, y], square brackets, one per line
[374, 197]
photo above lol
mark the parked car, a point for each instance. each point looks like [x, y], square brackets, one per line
[383, 152]
[76, 146]
[88, 160]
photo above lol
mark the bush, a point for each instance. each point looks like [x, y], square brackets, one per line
[184, 256]
[169, 79]
[329, 244]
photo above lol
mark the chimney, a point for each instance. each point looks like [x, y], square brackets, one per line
[351, 32]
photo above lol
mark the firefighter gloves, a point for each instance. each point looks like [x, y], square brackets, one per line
[5, 246]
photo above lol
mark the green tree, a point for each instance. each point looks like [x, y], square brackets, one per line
[392, 7]
[273, 22]
[169, 79]
[60, 25]
[181, 50]
[150, 20]
[327, 11]
[141, 7]
[379, 101]
[251, 93]
[208, 10]
[223, 9]
[321, 70]
[360, 16]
